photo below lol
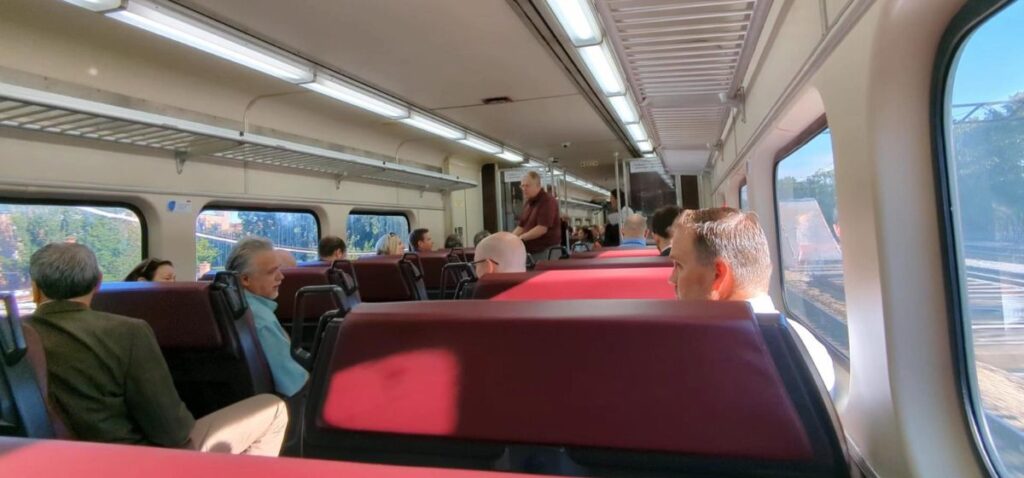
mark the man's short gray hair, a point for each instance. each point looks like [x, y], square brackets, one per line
[240, 258]
[64, 271]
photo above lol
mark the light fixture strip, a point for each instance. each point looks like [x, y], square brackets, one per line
[431, 125]
[578, 20]
[511, 155]
[637, 132]
[481, 144]
[602, 66]
[355, 95]
[199, 32]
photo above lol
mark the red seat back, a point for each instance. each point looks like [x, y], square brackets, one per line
[606, 263]
[637, 283]
[433, 262]
[658, 378]
[206, 333]
[612, 252]
[382, 279]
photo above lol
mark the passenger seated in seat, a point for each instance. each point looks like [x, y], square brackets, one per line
[480, 236]
[634, 232]
[152, 270]
[331, 248]
[390, 245]
[107, 377]
[420, 241]
[452, 241]
[500, 252]
[722, 254]
[259, 270]
[661, 227]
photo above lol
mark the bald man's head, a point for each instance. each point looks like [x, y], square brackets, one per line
[634, 227]
[500, 252]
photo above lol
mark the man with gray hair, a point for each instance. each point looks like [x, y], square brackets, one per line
[634, 232]
[108, 377]
[722, 254]
[259, 270]
[539, 226]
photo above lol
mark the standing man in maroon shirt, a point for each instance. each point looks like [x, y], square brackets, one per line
[539, 225]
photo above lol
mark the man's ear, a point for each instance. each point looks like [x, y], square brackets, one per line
[722, 285]
[490, 267]
[37, 295]
[98, 284]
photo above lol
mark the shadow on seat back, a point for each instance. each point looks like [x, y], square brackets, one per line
[206, 333]
[609, 263]
[638, 283]
[587, 388]
[23, 410]
[613, 252]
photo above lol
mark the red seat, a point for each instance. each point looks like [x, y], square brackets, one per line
[314, 306]
[638, 283]
[206, 333]
[24, 406]
[389, 278]
[637, 388]
[611, 252]
[46, 458]
[606, 263]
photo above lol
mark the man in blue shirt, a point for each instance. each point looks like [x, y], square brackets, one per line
[634, 232]
[259, 270]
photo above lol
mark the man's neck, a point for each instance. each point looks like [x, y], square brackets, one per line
[746, 295]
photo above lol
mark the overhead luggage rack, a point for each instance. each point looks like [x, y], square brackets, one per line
[39, 110]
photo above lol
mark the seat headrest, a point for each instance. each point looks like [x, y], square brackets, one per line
[181, 314]
[12, 341]
[603, 263]
[638, 283]
[612, 252]
[380, 279]
[693, 378]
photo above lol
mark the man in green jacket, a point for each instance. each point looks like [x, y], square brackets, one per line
[108, 378]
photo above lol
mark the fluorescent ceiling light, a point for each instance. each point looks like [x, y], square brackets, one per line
[511, 156]
[536, 164]
[624, 109]
[637, 132]
[481, 144]
[354, 95]
[213, 38]
[650, 155]
[601, 63]
[578, 20]
[645, 146]
[432, 125]
[96, 5]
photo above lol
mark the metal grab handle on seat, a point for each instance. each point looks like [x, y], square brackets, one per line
[336, 293]
[12, 340]
[453, 269]
[563, 249]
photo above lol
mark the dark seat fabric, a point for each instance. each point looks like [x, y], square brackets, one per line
[638, 283]
[206, 333]
[388, 279]
[612, 252]
[36, 356]
[632, 388]
[23, 404]
[606, 263]
[21, 457]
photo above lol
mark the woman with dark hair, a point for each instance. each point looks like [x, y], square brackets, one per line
[152, 270]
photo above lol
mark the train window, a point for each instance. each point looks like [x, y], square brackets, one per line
[115, 233]
[809, 240]
[744, 198]
[366, 228]
[984, 146]
[217, 231]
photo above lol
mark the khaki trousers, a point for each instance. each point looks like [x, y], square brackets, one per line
[254, 426]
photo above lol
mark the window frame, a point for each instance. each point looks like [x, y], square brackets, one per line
[816, 127]
[242, 208]
[377, 212]
[739, 195]
[966, 21]
[87, 202]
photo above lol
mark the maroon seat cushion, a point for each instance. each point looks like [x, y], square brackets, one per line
[380, 279]
[693, 378]
[606, 263]
[46, 458]
[180, 313]
[433, 263]
[611, 252]
[638, 283]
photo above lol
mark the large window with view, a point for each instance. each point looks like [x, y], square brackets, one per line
[115, 234]
[218, 230]
[809, 240]
[984, 165]
[365, 230]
